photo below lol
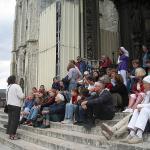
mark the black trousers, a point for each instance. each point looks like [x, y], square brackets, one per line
[13, 119]
[98, 113]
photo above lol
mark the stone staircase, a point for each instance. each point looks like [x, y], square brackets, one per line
[65, 137]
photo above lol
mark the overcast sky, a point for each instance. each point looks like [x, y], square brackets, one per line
[7, 12]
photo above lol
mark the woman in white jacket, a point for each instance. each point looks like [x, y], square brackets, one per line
[14, 102]
[140, 117]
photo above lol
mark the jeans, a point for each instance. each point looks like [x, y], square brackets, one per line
[33, 113]
[70, 109]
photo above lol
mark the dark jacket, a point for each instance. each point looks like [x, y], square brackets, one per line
[57, 108]
[122, 90]
[102, 105]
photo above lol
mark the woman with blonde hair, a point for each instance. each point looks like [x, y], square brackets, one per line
[137, 95]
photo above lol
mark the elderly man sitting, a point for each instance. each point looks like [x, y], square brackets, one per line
[99, 106]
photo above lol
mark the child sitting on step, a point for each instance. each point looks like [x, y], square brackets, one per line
[71, 107]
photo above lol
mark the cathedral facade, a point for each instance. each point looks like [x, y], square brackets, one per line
[48, 33]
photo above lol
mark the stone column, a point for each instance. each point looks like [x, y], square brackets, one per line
[70, 36]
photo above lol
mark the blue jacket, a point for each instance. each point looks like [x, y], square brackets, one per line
[29, 104]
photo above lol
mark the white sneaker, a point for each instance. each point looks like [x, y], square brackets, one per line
[128, 110]
[135, 140]
[127, 139]
[67, 121]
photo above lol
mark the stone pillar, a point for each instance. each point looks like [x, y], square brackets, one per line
[70, 36]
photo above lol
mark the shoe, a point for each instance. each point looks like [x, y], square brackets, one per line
[107, 136]
[128, 110]
[14, 137]
[67, 121]
[107, 129]
[135, 140]
[78, 123]
[127, 139]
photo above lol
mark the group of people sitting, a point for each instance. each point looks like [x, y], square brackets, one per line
[83, 96]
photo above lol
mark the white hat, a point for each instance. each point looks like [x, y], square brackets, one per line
[147, 79]
[126, 53]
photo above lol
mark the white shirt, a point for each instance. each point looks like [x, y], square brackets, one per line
[14, 95]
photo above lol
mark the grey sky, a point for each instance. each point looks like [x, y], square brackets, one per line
[7, 11]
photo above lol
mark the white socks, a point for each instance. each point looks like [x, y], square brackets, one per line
[132, 133]
[139, 133]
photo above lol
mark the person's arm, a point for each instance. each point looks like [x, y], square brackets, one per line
[70, 74]
[100, 100]
[19, 92]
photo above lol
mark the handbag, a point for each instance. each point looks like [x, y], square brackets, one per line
[6, 109]
[6, 106]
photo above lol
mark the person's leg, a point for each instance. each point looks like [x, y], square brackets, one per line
[67, 111]
[133, 120]
[123, 73]
[9, 119]
[77, 114]
[112, 130]
[132, 100]
[30, 114]
[138, 100]
[14, 121]
[140, 125]
[34, 114]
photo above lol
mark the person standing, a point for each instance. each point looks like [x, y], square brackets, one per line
[81, 65]
[14, 102]
[123, 60]
[146, 58]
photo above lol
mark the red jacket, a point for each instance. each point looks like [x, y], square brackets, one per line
[134, 88]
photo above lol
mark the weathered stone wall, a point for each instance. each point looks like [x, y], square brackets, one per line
[25, 47]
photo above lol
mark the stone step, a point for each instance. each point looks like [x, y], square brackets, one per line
[50, 142]
[68, 127]
[67, 136]
[113, 145]
[18, 144]
[73, 136]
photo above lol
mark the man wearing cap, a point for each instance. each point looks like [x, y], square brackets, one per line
[140, 117]
[123, 60]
